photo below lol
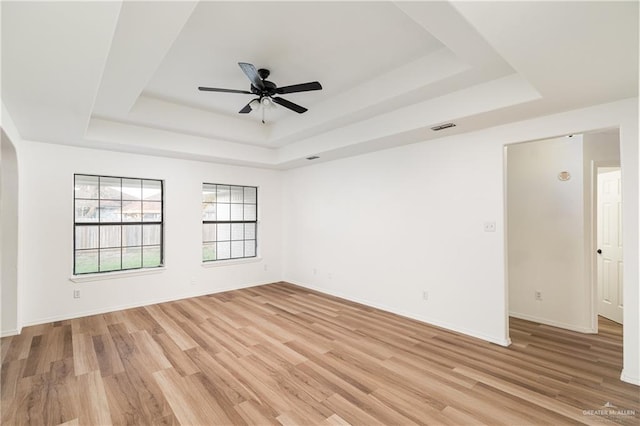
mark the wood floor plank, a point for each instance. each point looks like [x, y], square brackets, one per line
[16, 347]
[149, 352]
[336, 420]
[188, 399]
[92, 400]
[254, 413]
[107, 355]
[182, 339]
[11, 374]
[84, 356]
[178, 358]
[282, 354]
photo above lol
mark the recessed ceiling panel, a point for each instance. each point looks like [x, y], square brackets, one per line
[339, 44]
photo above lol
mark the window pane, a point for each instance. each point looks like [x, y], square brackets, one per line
[249, 212]
[224, 250]
[223, 211]
[132, 211]
[209, 232]
[237, 249]
[110, 188]
[151, 235]
[152, 190]
[236, 212]
[132, 235]
[86, 237]
[151, 211]
[208, 193]
[224, 231]
[131, 189]
[110, 259]
[86, 211]
[209, 251]
[86, 261]
[249, 231]
[222, 194]
[237, 194]
[237, 231]
[151, 256]
[208, 211]
[101, 204]
[131, 257]
[86, 186]
[110, 211]
[110, 236]
[223, 204]
[249, 248]
[250, 195]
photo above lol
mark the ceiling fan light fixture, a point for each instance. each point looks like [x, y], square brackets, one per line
[254, 104]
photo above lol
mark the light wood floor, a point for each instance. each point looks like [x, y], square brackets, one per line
[280, 354]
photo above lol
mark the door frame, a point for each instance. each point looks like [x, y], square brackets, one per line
[592, 258]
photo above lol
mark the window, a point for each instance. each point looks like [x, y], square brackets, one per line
[229, 221]
[118, 224]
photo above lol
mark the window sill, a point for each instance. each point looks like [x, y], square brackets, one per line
[115, 275]
[218, 263]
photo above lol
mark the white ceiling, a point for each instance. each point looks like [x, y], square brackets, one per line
[124, 75]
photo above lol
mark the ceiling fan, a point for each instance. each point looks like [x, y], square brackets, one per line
[266, 90]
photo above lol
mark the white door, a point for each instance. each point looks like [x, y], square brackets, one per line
[610, 245]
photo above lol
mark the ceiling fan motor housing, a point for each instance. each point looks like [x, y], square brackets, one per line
[269, 89]
[264, 73]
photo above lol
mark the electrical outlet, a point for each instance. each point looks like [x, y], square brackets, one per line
[538, 295]
[489, 227]
[266, 267]
[425, 295]
[76, 294]
[193, 281]
[330, 275]
[315, 271]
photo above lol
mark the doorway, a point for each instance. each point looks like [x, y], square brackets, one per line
[551, 232]
[609, 243]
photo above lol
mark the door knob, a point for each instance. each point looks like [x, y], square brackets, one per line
[599, 251]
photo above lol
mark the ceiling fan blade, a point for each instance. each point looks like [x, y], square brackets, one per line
[303, 87]
[252, 73]
[247, 108]
[287, 104]
[214, 89]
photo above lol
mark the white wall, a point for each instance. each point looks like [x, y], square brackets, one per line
[46, 181]
[383, 227]
[8, 237]
[546, 236]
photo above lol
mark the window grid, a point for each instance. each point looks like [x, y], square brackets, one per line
[229, 222]
[104, 237]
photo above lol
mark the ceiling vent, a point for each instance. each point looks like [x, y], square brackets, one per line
[442, 127]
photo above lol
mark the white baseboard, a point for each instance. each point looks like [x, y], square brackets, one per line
[634, 380]
[492, 339]
[545, 321]
[12, 332]
[105, 310]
